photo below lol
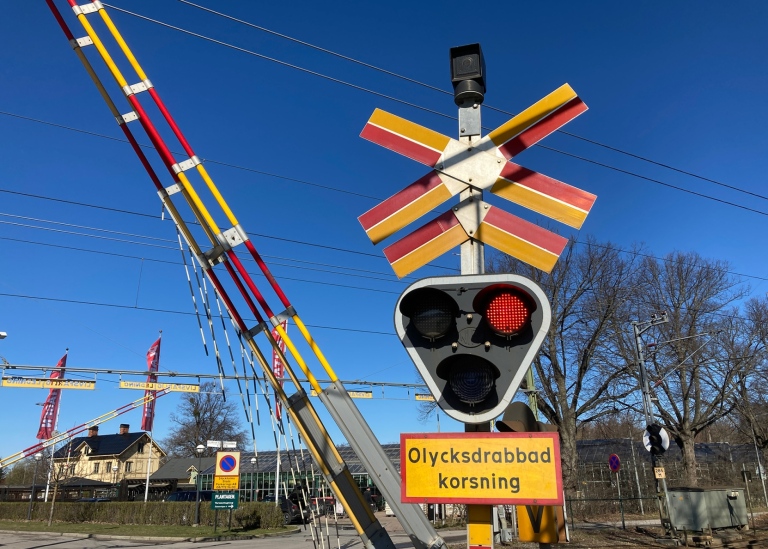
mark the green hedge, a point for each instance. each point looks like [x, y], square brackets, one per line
[248, 515]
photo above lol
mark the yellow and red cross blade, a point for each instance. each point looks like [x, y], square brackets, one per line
[482, 166]
[502, 230]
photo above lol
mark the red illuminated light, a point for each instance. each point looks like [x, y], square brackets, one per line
[507, 312]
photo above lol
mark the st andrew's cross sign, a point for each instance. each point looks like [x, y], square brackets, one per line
[482, 166]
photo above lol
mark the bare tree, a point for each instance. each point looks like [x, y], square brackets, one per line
[695, 366]
[200, 417]
[578, 369]
[21, 473]
[752, 400]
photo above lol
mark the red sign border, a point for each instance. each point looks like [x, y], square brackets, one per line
[555, 437]
[618, 459]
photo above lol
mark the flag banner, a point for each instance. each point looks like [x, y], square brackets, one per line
[278, 367]
[153, 363]
[51, 406]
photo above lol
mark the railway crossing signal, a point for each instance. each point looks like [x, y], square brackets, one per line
[468, 74]
[656, 439]
[458, 167]
[472, 338]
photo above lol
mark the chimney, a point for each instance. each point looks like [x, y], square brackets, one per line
[124, 428]
[93, 431]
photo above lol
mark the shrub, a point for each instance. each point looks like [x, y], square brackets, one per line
[248, 515]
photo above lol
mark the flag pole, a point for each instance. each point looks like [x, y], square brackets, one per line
[55, 426]
[153, 364]
[149, 466]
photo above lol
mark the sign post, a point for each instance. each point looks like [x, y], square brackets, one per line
[615, 465]
[466, 167]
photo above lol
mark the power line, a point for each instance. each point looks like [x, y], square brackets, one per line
[317, 245]
[169, 311]
[344, 191]
[278, 61]
[401, 101]
[338, 269]
[196, 375]
[446, 92]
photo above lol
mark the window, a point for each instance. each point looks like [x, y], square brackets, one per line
[128, 466]
[108, 467]
[72, 470]
[96, 467]
[140, 447]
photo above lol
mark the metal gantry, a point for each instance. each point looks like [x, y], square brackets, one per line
[74, 431]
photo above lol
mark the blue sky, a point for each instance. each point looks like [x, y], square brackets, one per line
[681, 84]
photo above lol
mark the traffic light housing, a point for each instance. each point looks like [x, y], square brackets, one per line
[468, 73]
[472, 338]
[656, 439]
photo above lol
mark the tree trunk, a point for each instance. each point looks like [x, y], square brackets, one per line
[689, 460]
[569, 458]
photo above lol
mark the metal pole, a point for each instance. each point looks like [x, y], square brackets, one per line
[749, 498]
[149, 468]
[479, 517]
[197, 487]
[759, 465]
[32, 495]
[530, 384]
[621, 502]
[647, 405]
[637, 477]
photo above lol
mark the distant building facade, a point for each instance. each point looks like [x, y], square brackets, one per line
[115, 458]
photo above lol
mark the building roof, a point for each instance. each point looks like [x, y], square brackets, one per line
[101, 445]
[76, 482]
[178, 468]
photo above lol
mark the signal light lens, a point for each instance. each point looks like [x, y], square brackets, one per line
[472, 380]
[506, 309]
[431, 311]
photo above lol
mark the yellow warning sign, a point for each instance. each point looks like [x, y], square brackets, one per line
[48, 383]
[352, 394]
[149, 386]
[481, 468]
[226, 483]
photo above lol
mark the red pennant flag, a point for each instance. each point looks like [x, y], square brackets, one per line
[51, 406]
[153, 364]
[277, 365]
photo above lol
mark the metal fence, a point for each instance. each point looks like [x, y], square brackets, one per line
[602, 493]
